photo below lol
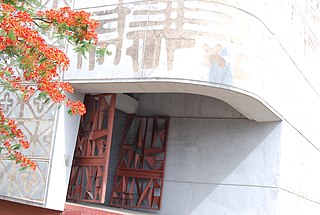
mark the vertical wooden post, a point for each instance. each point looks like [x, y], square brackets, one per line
[111, 114]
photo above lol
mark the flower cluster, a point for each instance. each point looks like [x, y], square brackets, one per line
[38, 61]
[76, 107]
[26, 59]
[13, 83]
[24, 161]
[75, 24]
[13, 139]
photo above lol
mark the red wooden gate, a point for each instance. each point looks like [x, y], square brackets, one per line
[89, 171]
[139, 178]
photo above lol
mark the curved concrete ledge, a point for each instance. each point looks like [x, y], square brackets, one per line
[205, 48]
[248, 104]
[240, 45]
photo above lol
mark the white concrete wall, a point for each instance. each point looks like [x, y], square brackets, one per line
[66, 132]
[222, 167]
[292, 204]
[299, 175]
[217, 162]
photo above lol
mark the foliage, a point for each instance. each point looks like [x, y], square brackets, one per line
[28, 63]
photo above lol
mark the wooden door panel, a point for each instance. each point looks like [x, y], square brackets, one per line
[88, 180]
[139, 177]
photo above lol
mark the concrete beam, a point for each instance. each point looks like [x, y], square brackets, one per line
[250, 105]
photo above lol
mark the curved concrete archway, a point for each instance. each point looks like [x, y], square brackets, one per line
[248, 104]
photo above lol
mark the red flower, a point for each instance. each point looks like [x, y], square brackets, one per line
[38, 62]
[24, 143]
[76, 107]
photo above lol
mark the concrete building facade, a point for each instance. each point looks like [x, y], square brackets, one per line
[239, 82]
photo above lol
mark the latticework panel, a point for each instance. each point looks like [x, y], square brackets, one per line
[91, 158]
[36, 119]
[140, 173]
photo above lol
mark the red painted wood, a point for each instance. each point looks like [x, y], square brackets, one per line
[91, 159]
[140, 173]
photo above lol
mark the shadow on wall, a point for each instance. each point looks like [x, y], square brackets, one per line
[221, 166]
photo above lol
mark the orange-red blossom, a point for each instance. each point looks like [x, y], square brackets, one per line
[38, 62]
[12, 135]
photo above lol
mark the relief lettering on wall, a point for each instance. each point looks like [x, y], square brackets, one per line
[111, 26]
[148, 30]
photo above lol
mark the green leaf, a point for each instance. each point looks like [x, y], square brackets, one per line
[22, 168]
[15, 147]
[43, 95]
[11, 35]
[11, 157]
[101, 52]
[47, 101]
[42, 60]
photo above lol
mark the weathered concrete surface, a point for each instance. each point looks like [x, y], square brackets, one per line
[260, 57]
[204, 42]
[267, 51]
